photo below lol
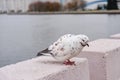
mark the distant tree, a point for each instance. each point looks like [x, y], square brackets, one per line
[57, 6]
[36, 6]
[48, 6]
[112, 5]
[98, 7]
[71, 6]
[54, 6]
[76, 4]
[105, 6]
[102, 7]
[82, 4]
[44, 6]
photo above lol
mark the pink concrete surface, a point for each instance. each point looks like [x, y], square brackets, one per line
[115, 36]
[46, 68]
[103, 58]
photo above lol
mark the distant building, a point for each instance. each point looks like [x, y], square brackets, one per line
[119, 4]
[15, 5]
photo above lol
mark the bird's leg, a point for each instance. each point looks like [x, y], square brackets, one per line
[68, 62]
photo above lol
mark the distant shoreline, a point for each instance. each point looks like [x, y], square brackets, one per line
[68, 12]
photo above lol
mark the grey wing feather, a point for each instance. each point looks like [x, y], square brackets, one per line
[43, 51]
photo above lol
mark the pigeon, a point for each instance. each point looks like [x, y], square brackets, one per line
[66, 47]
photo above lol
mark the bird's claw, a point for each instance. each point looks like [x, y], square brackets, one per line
[68, 62]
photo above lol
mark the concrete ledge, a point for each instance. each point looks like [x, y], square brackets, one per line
[45, 68]
[104, 59]
[116, 36]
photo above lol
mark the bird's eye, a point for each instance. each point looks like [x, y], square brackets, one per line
[83, 40]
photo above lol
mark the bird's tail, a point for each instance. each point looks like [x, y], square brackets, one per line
[43, 51]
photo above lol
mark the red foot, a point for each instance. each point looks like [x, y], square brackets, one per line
[68, 62]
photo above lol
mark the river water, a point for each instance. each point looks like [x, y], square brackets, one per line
[22, 36]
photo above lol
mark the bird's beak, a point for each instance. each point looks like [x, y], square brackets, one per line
[87, 45]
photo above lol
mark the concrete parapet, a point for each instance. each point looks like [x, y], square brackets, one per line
[115, 36]
[46, 68]
[103, 58]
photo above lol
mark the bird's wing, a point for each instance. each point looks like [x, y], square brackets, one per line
[43, 51]
[60, 41]
[63, 47]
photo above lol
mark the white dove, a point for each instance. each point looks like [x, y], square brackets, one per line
[66, 47]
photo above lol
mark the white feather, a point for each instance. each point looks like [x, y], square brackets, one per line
[67, 46]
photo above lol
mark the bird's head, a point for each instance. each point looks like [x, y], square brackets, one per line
[83, 40]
